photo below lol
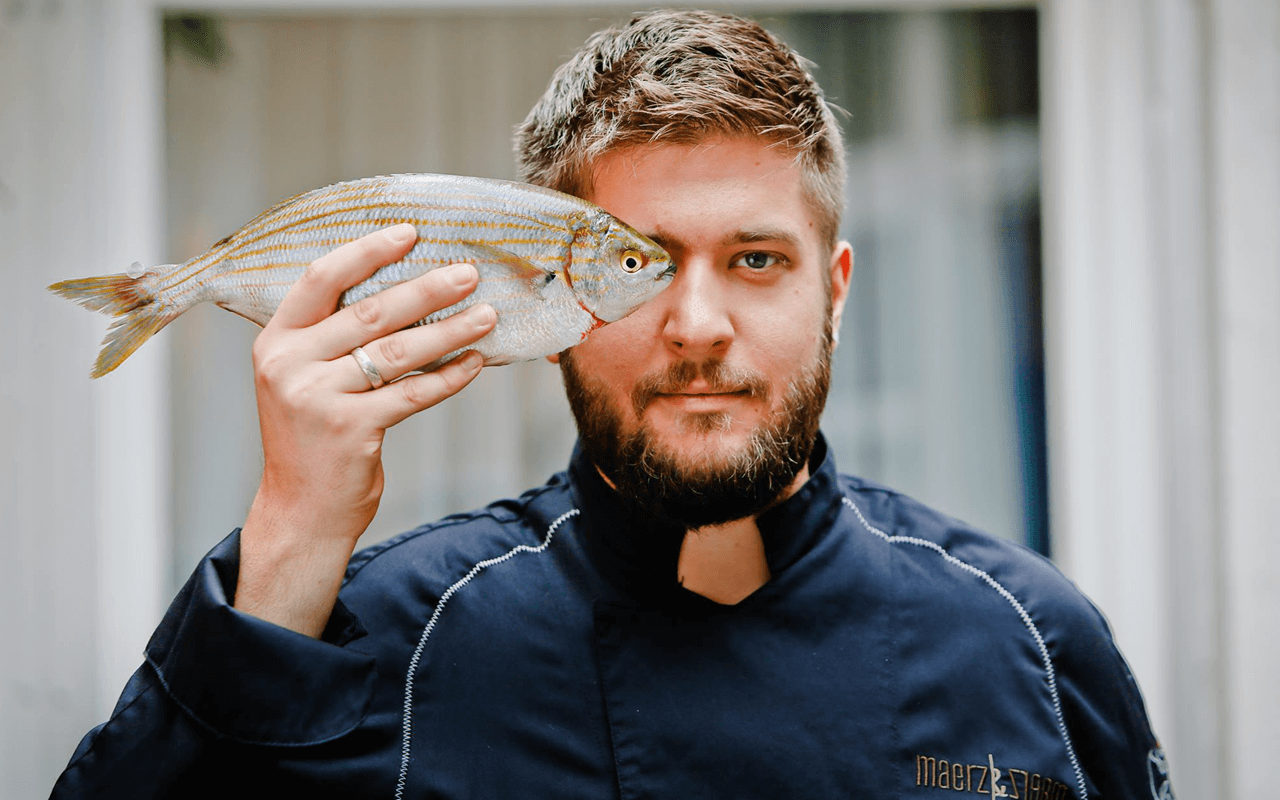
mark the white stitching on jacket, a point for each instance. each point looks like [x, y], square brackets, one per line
[407, 728]
[1022, 612]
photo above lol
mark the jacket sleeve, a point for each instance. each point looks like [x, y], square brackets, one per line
[216, 681]
[1119, 756]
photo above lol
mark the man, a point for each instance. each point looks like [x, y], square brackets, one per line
[700, 606]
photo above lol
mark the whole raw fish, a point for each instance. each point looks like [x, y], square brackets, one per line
[553, 266]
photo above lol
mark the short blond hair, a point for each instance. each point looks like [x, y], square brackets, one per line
[681, 77]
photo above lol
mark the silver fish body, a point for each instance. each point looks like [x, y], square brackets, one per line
[553, 266]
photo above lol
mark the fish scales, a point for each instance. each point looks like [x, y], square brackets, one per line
[433, 215]
[553, 266]
[335, 210]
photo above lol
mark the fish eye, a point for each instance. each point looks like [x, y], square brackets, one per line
[632, 260]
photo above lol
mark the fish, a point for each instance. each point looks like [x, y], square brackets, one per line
[554, 267]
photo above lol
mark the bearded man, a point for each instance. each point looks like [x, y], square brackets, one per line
[701, 606]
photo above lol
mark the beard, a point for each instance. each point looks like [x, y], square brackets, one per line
[711, 488]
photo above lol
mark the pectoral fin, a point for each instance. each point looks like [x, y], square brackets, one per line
[495, 263]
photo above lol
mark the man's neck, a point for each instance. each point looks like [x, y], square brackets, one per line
[726, 563]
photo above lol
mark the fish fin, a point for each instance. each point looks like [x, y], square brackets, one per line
[500, 359]
[510, 264]
[132, 300]
[241, 314]
[110, 294]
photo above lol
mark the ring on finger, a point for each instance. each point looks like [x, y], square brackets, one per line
[367, 367]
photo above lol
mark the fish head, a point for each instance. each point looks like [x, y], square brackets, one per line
[626, 269]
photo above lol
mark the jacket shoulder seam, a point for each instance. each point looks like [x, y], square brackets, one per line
[985, 577]
[367, 556]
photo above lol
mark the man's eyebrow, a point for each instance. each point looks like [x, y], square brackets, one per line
[780, 235]
[665, 241]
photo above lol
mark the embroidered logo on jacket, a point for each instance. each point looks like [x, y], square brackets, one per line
[988, 779]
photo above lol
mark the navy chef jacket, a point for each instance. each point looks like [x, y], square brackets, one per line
[543, 648]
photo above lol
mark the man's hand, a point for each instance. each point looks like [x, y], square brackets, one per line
[323, 423]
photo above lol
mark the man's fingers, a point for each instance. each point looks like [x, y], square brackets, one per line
[393, 309]
[401, 352]
[409, 395]
[315, 295]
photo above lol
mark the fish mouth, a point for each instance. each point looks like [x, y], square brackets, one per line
[669, 272]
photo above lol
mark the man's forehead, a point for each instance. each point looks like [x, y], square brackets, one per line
[715, 195]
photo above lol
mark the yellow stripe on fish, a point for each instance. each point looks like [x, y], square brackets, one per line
[553, 266]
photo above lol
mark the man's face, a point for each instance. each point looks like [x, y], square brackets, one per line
[704, 403]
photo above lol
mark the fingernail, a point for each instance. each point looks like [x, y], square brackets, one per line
[460, 274]
[402, 233]
[472, 360]
[482, 314]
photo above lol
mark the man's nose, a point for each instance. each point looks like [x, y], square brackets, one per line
[698, 324]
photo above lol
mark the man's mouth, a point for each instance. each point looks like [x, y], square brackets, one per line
[701, 401]
[709, 393]
[705, 385]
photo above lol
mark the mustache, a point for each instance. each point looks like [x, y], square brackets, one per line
[719, 377]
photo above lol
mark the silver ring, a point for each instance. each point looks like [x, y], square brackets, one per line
[367, 367]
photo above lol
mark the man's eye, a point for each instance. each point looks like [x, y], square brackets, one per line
[757, 261]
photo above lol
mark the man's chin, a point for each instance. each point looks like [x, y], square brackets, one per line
[700, 447]
[695, 463]
[702, 479]
[697, 432]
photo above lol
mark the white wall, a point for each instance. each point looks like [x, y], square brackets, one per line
[1162, 215]
[83, 508]
[1244, 167]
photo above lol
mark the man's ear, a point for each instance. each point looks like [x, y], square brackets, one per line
[554, 358]
[841, 273]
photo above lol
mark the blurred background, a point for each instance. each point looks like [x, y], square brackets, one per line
[1064, 325]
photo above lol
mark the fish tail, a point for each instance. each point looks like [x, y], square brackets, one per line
[133, 301]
